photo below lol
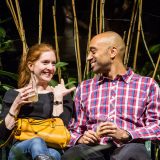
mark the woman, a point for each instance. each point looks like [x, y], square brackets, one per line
[36, 69]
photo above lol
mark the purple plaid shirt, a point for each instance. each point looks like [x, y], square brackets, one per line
[131, 101]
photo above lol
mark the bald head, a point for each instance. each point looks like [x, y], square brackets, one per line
[113, 39]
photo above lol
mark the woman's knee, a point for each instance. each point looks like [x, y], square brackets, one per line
[55, 154]
[38, 144]
[37, 140]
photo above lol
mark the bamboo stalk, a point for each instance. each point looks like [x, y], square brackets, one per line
[124, 36]
[16, 14]
[25, 48]
[75, 46]
[145, 44]
[78, 59]
[133, 32]
[103, 18]
[138, 35]
[129, 34]
[56, 41]
[156, 67]
[96, 16]
[86, 70]
[40, 20]
[100, 17]
[11, 8]
[76, 51]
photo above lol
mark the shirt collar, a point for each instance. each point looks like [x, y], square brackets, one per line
[126, 77]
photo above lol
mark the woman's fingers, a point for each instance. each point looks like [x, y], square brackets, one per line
[62, 81]
[72, 89]
[61, 90]
[24, 94]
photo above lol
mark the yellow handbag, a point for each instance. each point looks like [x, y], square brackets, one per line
[52, 130]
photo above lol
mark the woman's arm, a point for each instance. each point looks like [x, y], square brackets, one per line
[11, 104]
[68, 109]
[7, 123]
[59, 92]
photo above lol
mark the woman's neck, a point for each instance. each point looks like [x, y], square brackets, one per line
[43, 88]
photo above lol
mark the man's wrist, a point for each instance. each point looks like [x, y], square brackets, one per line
[126, 137]
[80, 140]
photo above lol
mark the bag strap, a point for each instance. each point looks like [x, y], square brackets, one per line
[9, 138]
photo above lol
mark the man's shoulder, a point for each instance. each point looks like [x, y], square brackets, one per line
[144, 79]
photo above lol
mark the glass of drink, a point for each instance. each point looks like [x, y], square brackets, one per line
[100, 119]
[33, 95]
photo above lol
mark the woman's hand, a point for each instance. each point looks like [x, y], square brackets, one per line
[22, 98]
[24, 94]
[60, 90]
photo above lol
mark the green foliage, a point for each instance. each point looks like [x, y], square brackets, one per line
[146, 68]
[71, 82]
[2, 33]
[155, 49]
[61, 65]
[13, 76]
[9, 74]
[53, 83]
[4, 86]
[5, 44]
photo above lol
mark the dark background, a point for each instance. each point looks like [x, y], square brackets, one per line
[116, 18]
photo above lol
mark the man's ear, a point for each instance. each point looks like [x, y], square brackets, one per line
[113, 52]
[30, 66]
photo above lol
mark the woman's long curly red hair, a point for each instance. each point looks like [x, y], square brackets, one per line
[33, 55]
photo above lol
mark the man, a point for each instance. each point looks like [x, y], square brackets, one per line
[130, 102]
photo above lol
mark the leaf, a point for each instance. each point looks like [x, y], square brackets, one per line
[53, 83]
[155, 48]
[70, 79]
[71, 84]
[61, 64]
[2, 33]
[7, 87]
[9, 74]
[2, 50]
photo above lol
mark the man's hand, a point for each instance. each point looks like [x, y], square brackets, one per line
[89, 137]
[110, 129]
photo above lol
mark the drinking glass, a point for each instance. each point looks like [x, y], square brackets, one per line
[101, 119]
[34, 97]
